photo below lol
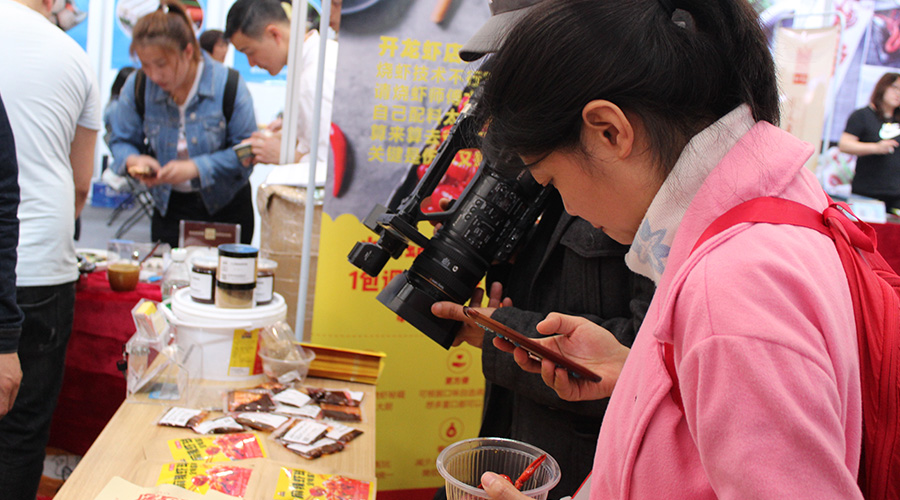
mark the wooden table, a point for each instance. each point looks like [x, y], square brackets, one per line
[133, 447]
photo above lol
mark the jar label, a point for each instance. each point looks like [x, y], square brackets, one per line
[202, 286]
[264, 288]
[237, 271]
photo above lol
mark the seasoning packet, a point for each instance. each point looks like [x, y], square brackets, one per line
[342, 433]
[177, 416]
[249, 400]
[222, 425]
[292, 397]
[202, 477]
[342, 413]
[261, 421]
[324, 446]
[220, 448]
[273, 386]
[309, 411]
[299, 483]
[301, 431]
[343, 397]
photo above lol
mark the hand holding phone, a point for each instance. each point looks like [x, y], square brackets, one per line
[533, 348]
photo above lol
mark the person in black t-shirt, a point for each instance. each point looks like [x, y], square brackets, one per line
[872, 135]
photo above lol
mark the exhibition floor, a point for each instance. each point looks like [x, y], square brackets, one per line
[95, 232]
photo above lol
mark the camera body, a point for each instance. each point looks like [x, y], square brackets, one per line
[485, 225]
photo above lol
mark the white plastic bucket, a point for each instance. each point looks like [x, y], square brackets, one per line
[225, 342]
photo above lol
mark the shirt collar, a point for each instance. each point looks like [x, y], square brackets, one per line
[650, 249]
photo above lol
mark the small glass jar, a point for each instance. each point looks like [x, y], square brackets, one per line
[236, 276]
[203, 280]
[265, 281]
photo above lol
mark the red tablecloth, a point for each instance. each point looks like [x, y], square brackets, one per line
[889, 243]
[93, 388]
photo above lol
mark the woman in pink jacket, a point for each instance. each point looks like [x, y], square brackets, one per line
[652, 118]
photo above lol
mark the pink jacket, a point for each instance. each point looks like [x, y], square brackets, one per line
[765, 350]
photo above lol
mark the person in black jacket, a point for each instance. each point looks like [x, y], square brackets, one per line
[10, 314]
[566, 266]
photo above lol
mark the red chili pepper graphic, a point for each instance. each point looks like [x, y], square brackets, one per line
[339, 150]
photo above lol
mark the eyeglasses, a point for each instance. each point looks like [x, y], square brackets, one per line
[894, 87]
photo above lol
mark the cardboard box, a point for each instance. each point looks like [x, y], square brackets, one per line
[282, 211]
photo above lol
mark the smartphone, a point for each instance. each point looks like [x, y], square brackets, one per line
[535, 349]
[244, 151]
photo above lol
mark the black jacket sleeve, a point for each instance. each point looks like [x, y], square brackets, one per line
[10, 314]
[500, 368]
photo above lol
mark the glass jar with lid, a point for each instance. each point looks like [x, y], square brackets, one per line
[265, 281]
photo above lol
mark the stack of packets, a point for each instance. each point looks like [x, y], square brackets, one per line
[309, 422]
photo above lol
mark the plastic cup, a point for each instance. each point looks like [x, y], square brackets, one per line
[123, 276]
[276, 368]
[462, 463]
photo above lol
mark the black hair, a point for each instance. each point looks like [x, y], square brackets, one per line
[209, 39]
[676, 74]
[121, 76]
[250, 17]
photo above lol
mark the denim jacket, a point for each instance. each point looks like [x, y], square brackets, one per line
[209, 136]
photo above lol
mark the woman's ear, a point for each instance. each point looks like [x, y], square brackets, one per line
[605, 128]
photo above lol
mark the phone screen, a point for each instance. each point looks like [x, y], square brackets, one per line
[535, 349]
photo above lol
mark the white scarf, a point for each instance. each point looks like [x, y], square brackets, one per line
[650, 249]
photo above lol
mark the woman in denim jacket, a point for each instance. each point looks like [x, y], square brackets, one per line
[193, 173]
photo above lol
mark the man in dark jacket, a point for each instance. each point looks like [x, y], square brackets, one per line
[565, 266]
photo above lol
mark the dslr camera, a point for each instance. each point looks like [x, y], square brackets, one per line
[485, 224]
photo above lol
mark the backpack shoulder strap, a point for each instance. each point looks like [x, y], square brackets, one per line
[875, 295]
[767, 210]
[230, 93]
[770, 210]
[140, 86]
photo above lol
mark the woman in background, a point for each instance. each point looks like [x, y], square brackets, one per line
[871, 135]
[187, 160]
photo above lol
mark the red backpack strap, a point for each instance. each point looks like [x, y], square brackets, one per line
[875, 293]
[767, 209]
[770, 210]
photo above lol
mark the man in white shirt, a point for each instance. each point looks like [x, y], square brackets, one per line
[261, 30]
[51, 97]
